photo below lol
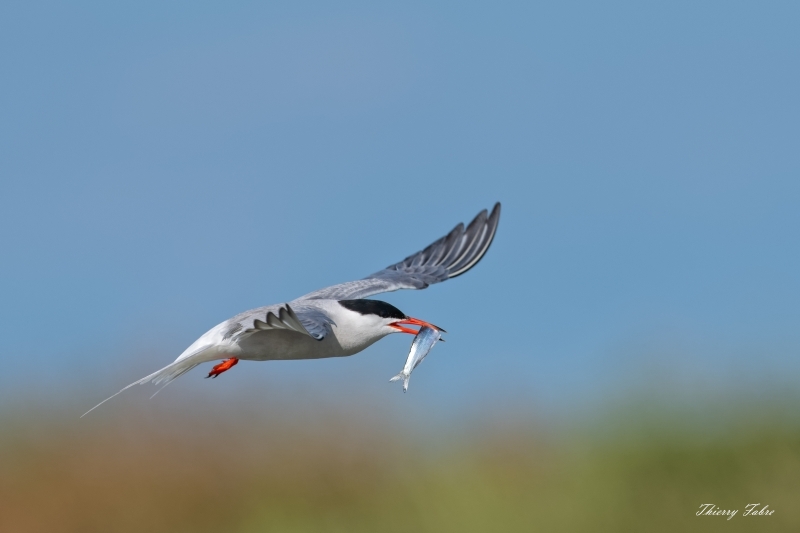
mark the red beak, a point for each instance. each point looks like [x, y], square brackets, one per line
[415, 322]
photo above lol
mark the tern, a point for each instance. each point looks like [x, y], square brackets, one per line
[336, 321]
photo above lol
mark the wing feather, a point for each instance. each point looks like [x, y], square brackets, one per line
[471, 239]
[303, 319]
[447, 257]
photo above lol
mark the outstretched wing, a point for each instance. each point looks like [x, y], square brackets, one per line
[448, 257]
[305, 319]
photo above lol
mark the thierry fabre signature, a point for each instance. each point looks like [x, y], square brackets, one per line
[751, 509]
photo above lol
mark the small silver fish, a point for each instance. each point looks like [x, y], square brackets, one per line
[423, 343]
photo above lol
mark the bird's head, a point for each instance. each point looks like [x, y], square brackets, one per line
[383, 316]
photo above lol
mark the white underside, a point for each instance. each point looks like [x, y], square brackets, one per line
[351, 333]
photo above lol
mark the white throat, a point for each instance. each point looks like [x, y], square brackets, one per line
[355, 331]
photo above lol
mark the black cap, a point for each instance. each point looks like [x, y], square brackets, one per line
[373, 307]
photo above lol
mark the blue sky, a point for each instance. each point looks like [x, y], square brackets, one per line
[163, 167]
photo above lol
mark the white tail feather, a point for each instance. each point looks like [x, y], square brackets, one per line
[166, 375]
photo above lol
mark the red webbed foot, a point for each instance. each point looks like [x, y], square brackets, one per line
[227, 364]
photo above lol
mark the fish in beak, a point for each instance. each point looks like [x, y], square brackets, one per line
[422, 345]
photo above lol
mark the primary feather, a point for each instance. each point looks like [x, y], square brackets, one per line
[447, 257]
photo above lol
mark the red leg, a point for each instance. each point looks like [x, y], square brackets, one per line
[227, 364]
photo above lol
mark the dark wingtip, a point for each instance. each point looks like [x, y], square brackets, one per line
[492, 221]
[495, 211]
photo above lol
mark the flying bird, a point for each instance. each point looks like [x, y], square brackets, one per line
[338, 320]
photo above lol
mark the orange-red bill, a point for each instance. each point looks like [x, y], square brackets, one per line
[415, 322]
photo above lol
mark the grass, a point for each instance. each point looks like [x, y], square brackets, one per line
[148, 471]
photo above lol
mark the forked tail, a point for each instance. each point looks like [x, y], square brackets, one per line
[166, 375]
[402, 375]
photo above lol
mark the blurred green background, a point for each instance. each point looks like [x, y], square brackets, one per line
[318, 467]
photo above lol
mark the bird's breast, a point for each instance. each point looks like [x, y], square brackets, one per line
[285, 345]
